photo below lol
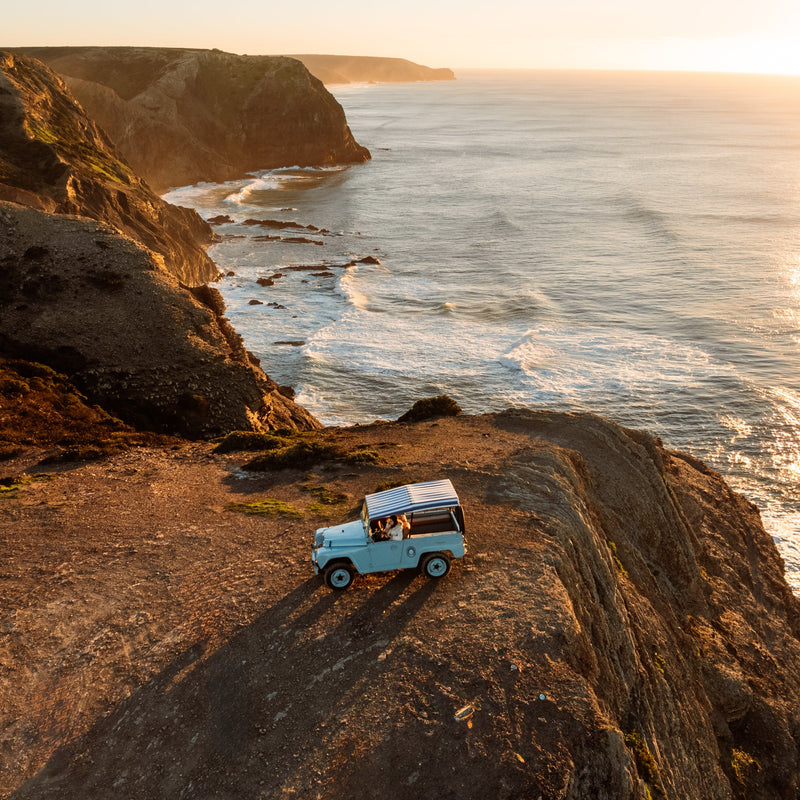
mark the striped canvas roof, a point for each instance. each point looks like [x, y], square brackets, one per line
[412, 497]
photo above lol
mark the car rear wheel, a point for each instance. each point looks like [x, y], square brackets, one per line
[339, 576]
[436, 565]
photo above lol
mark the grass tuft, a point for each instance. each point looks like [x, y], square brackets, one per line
[744, 766]
[249, 440]
[646, 765]
[268, 506]
[10, 485]
[303, 454]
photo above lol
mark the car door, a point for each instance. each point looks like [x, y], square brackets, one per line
[385, 555]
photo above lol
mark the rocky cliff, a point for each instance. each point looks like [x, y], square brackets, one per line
[181, 116]
[620, 628]
[103, 297]
[103, 309]
[369, 69]
[55, 158]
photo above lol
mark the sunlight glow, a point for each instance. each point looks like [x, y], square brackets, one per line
[685, 35]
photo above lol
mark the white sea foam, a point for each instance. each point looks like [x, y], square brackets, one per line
[347, 285]
[268, 182]
[577, 363]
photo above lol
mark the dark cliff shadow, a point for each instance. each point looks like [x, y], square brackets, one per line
[241, 721]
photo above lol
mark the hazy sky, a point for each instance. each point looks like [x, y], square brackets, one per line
[728, 35]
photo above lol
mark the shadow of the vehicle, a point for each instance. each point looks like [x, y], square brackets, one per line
[231, 722]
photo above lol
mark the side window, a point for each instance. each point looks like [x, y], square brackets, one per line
[440, 520]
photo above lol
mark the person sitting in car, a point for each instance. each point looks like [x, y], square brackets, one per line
[395, 529]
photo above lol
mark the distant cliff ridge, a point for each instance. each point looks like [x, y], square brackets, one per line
[366, 69]
[53, 157]
[181, 116]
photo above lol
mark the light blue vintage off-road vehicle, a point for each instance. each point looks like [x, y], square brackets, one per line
[435, 537]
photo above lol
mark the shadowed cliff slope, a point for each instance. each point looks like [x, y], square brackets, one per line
[620, 629]
[180, 116]
[102, 309]
[53, 157]
[366, 69]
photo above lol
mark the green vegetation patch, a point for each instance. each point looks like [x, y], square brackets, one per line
[744, 766]
[250, 440]
[328, 502]
[326, 496]
[660, 663]
[646, 765]
[268, 506]
[10, 486]
[612, 546]
[305, 453]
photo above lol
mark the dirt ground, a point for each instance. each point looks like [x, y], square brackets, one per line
[128, 589]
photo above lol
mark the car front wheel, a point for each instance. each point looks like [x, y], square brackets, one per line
[436, 565]
[339, 576]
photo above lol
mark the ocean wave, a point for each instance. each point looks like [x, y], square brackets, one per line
[347, 286]
[580, 364]
[265, 183]
[646, 216]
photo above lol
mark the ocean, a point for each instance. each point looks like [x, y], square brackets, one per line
[621, 243]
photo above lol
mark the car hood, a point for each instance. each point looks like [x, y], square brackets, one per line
[347, 535]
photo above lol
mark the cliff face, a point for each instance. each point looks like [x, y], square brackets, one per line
[53, 157]
[182, 116]
[109, 306]
[620, 628]
[104, 310]
[368, 69]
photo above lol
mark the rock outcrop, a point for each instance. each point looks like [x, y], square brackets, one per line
[371, 69]
[53, 157]
[180, 116]
[104, 310]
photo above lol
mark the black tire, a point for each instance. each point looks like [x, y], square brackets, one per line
[339, 577]
[436, 565]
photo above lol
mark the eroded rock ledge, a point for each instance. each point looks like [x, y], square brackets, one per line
[55, 158]
[103, 309]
